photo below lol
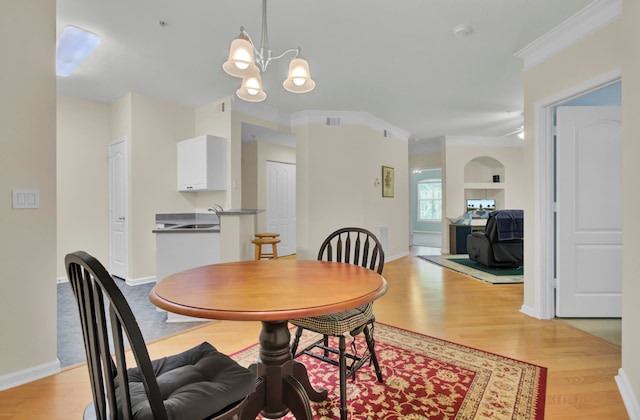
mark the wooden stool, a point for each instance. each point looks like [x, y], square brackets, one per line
[267, 235]
[266, 241]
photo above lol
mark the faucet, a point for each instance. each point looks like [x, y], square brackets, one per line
[215, 208]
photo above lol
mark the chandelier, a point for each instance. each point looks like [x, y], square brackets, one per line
[247, 62]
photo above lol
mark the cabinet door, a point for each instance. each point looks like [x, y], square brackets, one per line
[192, 164]
[202, 164]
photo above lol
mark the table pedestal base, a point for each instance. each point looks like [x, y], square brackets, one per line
[283, 383]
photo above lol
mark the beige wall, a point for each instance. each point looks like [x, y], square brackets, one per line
[156, 128]
[28, 160]
[631, 201]
[590, 58]
[250, 175]
[215, 119]
[152, 129]
[609, 49]
[83, 218]
[336, 173]
[425, 160]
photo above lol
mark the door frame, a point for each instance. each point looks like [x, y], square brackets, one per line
[544, 179]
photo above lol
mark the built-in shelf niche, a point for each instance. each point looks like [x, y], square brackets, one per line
[482, 170]
[478, 180]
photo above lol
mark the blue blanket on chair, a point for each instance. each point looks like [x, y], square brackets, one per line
[509, 224]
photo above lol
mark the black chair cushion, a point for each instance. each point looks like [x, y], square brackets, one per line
[194, 384]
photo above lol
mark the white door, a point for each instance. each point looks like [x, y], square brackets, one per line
[589, 212]
[118, 208]
[281, 205]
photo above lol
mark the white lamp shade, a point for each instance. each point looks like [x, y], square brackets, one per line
[240, 62]
[251, 89]
[299, 80]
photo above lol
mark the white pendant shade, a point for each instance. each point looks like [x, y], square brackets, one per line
[251, 89]
[240, 62]
[299, 80]
[248, 62]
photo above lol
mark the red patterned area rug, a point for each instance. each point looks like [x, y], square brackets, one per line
[427, 378]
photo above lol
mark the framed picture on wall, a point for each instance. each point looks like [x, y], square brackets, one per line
[388, 181]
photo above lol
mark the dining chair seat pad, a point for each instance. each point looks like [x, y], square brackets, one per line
[339, 323]
[194, 384]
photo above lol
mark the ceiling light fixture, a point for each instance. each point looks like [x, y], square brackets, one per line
[72, 47]
[519, 133]
[247, 62]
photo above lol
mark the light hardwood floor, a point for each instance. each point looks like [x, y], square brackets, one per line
[422, 297]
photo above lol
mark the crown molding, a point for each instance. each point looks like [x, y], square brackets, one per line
[483, 141]
[261, 111]
[274, 115]
[587, 21]
[349, 118]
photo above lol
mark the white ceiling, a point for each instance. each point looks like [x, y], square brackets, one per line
[397, 60]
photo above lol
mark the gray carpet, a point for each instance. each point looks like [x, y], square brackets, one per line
[151, 321]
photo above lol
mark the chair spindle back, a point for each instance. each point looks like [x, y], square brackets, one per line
[106, 318]
[353, 244]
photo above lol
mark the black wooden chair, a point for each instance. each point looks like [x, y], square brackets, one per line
[200, 383]
[349, 245]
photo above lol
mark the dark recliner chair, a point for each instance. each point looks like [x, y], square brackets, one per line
[501, 243]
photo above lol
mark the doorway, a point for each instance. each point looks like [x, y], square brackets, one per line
[545, 223]
[588, 211]
[118, 237]
[281, 205]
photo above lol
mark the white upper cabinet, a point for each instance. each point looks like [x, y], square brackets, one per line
[202, 164]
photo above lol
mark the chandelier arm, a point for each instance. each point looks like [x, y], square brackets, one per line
[244, 32]
[296, 50]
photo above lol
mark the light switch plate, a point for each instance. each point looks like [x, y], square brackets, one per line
[26, 199]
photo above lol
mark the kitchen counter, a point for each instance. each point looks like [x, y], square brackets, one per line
[184, 241]
[240, 212]
[187, 222]
[232, 239]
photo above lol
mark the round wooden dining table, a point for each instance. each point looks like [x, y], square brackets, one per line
[272, 292]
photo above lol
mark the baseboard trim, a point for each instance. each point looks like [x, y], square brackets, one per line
[629, 399]
[425, 238]
[395, 257]
[528, 310]
[28, 375]
[141, 280]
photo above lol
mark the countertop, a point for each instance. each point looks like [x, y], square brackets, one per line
[208, 222]
[187, 223]
[239, 212]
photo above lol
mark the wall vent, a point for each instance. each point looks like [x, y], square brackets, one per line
[333, 122]
[384, 238]
[387, 134]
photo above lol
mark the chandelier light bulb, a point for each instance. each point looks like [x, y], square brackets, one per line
[299, 80]
[251, 89]
[252, 86]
